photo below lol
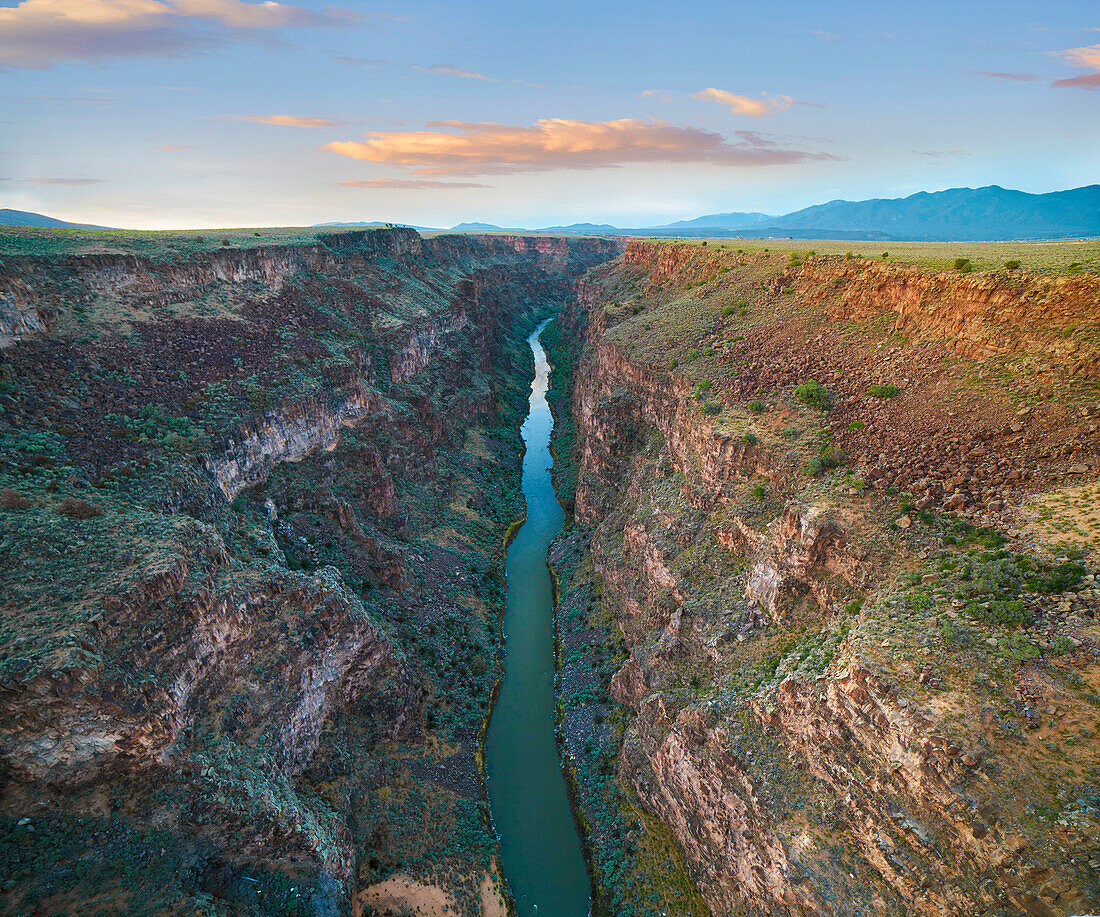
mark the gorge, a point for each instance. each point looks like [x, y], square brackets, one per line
[824, 576]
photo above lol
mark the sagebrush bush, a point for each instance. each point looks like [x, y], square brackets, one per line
[78, 508]
[12, 499]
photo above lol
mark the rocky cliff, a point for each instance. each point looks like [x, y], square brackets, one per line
[826, 628]
[252, 512]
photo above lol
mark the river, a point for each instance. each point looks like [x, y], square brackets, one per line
[539, 846]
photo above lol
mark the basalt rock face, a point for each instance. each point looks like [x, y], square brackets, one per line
[252, 508]
[981, 315]
[821, 680]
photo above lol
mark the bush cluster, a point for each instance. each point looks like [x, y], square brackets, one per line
[814, 394]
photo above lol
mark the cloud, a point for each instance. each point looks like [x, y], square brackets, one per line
[557, 143]
[171, 147]
[61, 181]
[826, 36]
[410, 184]
[366, 63]
[939, 154]
[79, 99]
[448, 70]
[1084, 81]
[1081, 57]
[997, 75]
[39, 33]
[738, 105]
[748, 106]
[286, 120]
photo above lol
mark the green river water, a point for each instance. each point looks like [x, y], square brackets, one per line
[539, 846]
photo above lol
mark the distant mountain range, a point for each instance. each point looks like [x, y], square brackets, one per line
[990, 214]
[38, 220]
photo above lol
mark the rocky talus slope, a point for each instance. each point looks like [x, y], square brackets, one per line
[827, 605]
[252, 511]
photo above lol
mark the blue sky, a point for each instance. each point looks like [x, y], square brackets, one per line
[203, 113]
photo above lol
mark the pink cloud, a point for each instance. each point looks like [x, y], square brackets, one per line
[747, 105]
[286, 120]
[1088, 58]
[409, 184]
[997, 75]
[465, 148]
[40, 33]
[448, 70]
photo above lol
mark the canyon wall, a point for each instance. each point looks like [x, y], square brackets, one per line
[253, 508]
[853, 678]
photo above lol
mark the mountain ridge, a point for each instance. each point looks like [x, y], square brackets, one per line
[989, 213]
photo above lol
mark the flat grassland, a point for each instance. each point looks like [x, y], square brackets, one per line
[1048, 257]
[1067, 257]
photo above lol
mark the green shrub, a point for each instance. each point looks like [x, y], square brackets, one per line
[1008, 612]
[727, 311]
[814, 394]
[1012, 265]
[1017, 649]
[751, 438]
[963, 266]
[673, 363]
[855, 426]
[712, 407]
[795, 262]
[955, 634]
[885, 390]
[829, 456]
[1062, 645]
[692, 354]
[1074, 268]
[885, 255]
[847, 256]
[757, 407]
[759, 491]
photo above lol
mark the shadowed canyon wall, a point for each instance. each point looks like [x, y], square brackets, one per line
[253, 508]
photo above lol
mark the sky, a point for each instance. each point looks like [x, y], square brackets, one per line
[217, 113]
